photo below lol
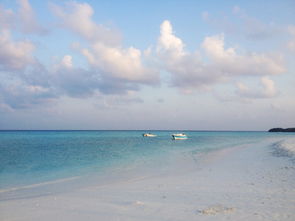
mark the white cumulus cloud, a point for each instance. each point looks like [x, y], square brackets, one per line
[213, 63]
[78, 18]
[168, 42]
[118, 69]
[230, 62]
[120, 63]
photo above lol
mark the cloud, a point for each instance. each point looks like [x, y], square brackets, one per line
[23, 20]
[73, 81]
[232, 63]
[39, 85]
[212, 64]
[24, 81]
[119, 63]
[18, 94]
[186, 69]
[67, 62]
[267, 90]
[78, 18]
[168, 43]
[27, 19]
[14, 55]
[112, 69]
[117, 69]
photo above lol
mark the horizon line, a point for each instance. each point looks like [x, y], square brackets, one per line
[196, 130]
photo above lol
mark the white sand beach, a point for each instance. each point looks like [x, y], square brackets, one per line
[242, 183]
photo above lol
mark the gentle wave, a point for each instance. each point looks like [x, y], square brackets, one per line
[286, 147]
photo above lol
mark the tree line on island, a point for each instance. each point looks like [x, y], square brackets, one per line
[282, 130]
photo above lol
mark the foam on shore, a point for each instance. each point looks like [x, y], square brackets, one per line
[286, 147]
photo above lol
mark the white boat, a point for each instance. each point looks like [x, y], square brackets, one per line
[149, 135]
[180, 136]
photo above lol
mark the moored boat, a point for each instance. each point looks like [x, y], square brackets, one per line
[149, 135]
[179, 136]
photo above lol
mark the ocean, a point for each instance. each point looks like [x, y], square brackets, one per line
[36, 157]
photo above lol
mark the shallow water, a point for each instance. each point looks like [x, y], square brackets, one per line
[31, 157]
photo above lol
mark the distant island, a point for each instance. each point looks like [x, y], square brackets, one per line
[282, 130]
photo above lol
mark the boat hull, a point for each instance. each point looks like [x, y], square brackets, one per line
[179, 136]
[149, 135]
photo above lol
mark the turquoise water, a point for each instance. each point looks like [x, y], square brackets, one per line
[28, 157]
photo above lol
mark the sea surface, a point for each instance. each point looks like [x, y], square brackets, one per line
[34, 157]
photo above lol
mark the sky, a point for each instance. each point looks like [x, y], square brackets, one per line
[125, 65]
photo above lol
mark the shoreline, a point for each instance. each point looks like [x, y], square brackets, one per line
[243, 183]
